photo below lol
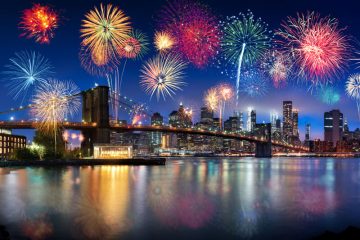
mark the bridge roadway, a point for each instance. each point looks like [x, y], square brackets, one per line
[146, 128]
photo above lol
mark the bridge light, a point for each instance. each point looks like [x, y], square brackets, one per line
[12, 118]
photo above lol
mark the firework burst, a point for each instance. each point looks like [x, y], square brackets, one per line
[212, 99]
[137, 113]
[254, 84]
[244, 41]
[163, 75]
[39, 22]
[317, 45]
[26, 69]
[195, 29]
[329, 95]
[164, 41]
[278, 66]
[353, 89]
[135, 46]
[53, 101]
[103, 32]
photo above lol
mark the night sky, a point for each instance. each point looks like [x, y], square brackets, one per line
[63, 53]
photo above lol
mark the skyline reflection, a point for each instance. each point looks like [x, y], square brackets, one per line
[236, 198]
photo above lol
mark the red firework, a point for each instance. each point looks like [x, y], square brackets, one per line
[195, 29]
[130, 48]
[318, 45]
[39, 22]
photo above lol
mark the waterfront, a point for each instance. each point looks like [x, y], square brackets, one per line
[204, 198]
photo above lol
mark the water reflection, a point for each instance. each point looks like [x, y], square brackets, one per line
[237, 198]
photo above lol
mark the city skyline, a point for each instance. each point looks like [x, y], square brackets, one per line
[67, 65]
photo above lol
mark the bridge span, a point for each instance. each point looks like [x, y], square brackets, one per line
[84, 126]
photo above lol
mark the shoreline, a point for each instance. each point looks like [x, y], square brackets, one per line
[85, 162]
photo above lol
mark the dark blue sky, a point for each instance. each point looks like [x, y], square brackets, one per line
[64, 48]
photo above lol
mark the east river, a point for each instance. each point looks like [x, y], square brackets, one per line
[190, 198]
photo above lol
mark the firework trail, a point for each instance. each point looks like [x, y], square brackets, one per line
[353, 89]
[317, 44]
[39, 22]
[245, 40]
[163, 75]
[195, 29]
[114, 81]
[26, 70]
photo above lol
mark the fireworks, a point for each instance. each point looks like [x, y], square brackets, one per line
[135, 46]
[254, 84]
[103, 32]
[137, 113]
[279, 68]
[163, 75]
[39, 22]
[317, 45]
[53, 102]
[245, 40]
[212, 99]
[329, 95]
[353, 89]
[26, 70]
[217, 97]
[195, 29]
[164, 41]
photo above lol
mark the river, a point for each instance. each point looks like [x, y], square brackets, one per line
[189, 198]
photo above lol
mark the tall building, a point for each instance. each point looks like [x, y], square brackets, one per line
[233, 124]
[157, 119]
[308, 132]
[273, 120]
[206, 115]
[156, 137]
[295, 121]
[287, 118]
[248, 120]
[253, 120]
[333, 126]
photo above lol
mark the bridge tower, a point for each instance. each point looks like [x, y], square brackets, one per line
[264, 150]
[95, 109]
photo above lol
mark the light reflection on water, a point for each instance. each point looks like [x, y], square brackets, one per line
[200, 198]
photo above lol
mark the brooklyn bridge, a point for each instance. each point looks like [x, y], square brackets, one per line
[96, 126]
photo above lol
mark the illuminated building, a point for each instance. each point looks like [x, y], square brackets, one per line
[287, 119]
[253, 121]
[295, 121]
[9, 142]
[308, 132]
[333, 126]
[156, 137]
[112, 151]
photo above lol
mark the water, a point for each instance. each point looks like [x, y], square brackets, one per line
[248, 198]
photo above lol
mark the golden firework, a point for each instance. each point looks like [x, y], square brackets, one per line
[164, 41]
[163, 75]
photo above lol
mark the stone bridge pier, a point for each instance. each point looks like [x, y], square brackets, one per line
[264, 149]
[95, 109]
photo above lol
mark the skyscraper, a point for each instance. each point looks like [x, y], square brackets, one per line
[333, 126]
[308, 132]
[295, 121]
[287, 118]
[253, 120]
[248, 119]
[273, 119]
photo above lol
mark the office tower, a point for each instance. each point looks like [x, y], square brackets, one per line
[248, 120]
[333, 126]
[295, 120]
[253, 120]
[157, 119]
[287, 118]
[233, 124]
[308, 132]
[273, 120]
